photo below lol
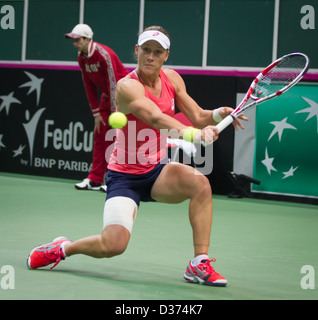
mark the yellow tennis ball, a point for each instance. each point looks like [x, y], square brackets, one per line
[117, 120]
[189, 133]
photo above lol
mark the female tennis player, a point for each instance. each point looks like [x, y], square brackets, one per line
[147, 96]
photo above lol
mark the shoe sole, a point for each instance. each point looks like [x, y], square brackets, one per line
[28, 261]
[217, 283]
[88, 188]
[103, 189]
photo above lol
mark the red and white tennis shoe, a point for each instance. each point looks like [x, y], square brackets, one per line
[204, 273]
[46, 254]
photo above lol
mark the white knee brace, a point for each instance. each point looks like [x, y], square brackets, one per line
[120, 210]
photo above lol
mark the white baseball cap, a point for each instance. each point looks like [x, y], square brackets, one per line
[80, 30]
[156, 36]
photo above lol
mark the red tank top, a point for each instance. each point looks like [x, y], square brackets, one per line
[139, 147]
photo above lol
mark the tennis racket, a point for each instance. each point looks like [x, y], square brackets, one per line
[273, 81]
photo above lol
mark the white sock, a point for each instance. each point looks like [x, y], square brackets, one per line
[197, 260]
[62, 248]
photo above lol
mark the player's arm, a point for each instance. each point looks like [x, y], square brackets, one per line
[130, 98]
[199, 117]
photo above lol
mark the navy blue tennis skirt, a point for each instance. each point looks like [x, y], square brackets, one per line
[136, 187]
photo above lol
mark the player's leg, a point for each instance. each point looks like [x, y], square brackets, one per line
[113, 241]
[119, 216]
[178, 182]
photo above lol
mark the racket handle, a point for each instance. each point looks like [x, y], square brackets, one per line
[225, 122]
[222, 125]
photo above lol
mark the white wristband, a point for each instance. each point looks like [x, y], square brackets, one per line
[216, 115]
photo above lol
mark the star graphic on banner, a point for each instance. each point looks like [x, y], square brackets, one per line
[280, 126]
[7, 101]
[268, 163]
[290, 172]
[18, 151]
[34, 84]
[1, 143]
[312, 110]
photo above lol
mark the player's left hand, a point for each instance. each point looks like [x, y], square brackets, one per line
[225, 111]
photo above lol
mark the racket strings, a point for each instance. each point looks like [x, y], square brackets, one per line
[280, 76]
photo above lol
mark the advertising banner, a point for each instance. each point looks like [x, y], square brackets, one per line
[286, 150]
[46, 126]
